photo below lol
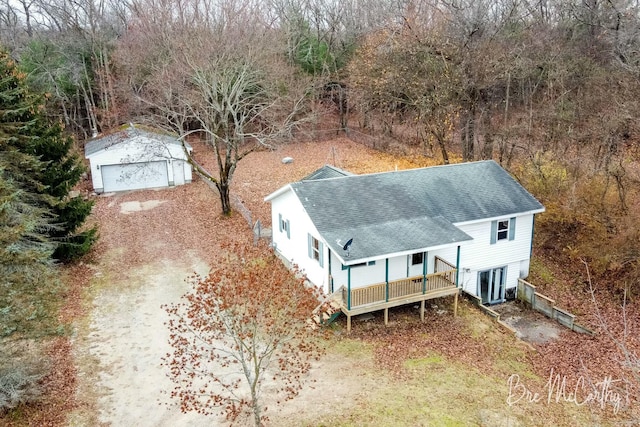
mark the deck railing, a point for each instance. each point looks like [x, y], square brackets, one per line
[396, 289]
[443, 266]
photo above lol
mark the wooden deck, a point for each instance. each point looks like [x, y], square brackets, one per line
[382, 296]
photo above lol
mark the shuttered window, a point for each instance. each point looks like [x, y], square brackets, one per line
[284, 226]
[316, 250]
[504, 229]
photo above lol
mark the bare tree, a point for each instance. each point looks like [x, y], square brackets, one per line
[242, 326]
[212, 77]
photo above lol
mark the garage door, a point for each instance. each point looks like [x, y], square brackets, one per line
[134, 176]
[178, 172]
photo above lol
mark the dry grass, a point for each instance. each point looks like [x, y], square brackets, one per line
[446, 372]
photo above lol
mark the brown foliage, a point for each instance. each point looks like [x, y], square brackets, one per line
[243, 325]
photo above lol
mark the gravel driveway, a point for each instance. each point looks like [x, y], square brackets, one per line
[149, 244]
[150, 241]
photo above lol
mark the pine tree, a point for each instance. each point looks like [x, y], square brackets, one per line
[28, 281]
[63, 171]
[27, 278]
[27, 130]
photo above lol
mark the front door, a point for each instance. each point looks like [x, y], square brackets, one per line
[491, 284]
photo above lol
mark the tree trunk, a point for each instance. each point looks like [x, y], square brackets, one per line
[487, 148]
[343, 109]
[468, 137]
[443, 147]
[223, 189]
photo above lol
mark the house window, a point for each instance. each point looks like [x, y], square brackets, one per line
[504, 229]
[417, 258]
[316, 250]
[361, 264]
[284, 226]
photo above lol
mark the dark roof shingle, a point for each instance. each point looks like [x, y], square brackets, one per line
[326, 172]
[412, 209]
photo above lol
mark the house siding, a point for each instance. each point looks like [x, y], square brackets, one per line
[481, 255]
[360, 276]
[295, 248]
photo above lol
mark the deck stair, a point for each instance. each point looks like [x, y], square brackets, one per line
[327, 311]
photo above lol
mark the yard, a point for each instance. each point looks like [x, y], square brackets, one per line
[447, 371]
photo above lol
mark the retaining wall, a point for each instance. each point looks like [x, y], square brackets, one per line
[527, 294]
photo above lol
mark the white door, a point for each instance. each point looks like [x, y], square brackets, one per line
[134, 176]
[491, 284]
[178, 172]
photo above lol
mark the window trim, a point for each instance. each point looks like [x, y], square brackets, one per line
[508, 233]
[316, 249]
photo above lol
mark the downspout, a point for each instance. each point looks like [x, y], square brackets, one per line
[457, 266]
[424, 272]
[386, 279]
[330, 275]
[533, 226]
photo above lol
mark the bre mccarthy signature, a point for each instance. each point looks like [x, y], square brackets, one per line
[558, 389]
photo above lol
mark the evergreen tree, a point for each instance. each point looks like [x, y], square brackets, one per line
[28, 131]
[63, 171]
[28, 282]
[27, 278]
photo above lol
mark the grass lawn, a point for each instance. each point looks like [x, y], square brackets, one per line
[415, 376]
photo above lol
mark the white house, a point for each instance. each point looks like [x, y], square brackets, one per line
[401, 237]
[136, 158]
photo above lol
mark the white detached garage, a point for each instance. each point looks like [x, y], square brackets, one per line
[136, 158]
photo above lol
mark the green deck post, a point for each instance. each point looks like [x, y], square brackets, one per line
[457, 265]
[424, 273]
[386, 279]
[330, 276]
[348, 287]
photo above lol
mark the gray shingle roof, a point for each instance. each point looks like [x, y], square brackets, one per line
[413, 209]
[132, 131]
[325, 172]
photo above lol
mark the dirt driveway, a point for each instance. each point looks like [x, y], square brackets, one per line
[150, 241]
[149, 245]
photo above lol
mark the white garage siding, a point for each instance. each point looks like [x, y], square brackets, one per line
[178, 172]
[136, 159]
[134, 176]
